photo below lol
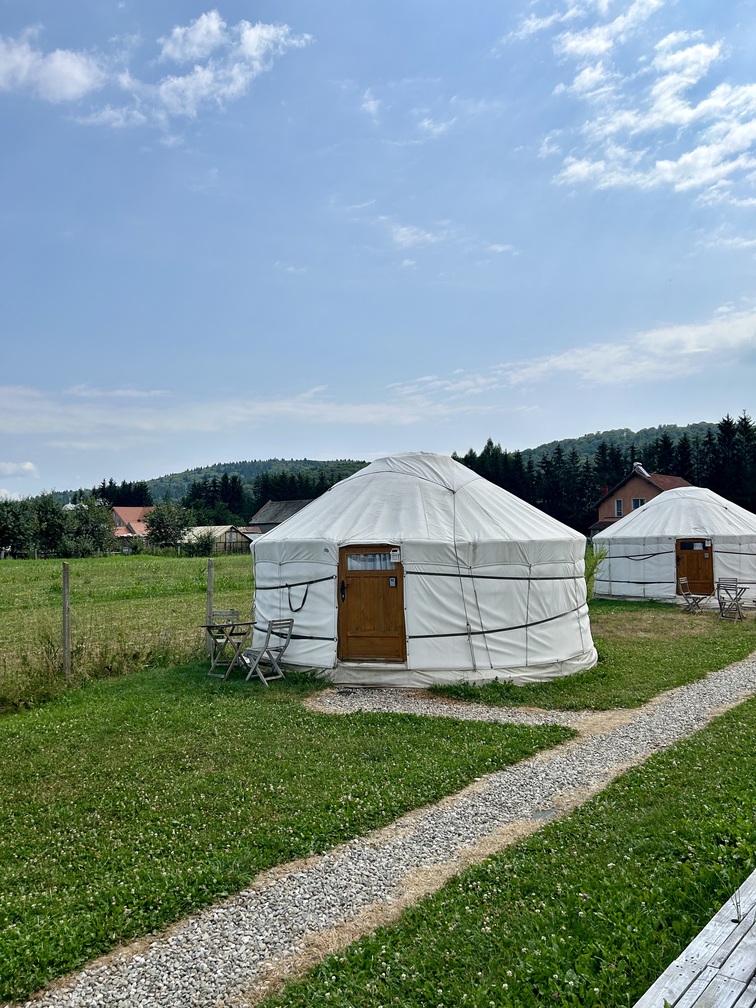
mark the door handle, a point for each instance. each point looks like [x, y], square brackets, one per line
[343, 591]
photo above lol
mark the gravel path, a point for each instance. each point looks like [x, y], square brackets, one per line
[230, 954]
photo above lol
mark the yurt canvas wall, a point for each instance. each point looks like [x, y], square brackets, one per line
[688, 532]
[415, 570]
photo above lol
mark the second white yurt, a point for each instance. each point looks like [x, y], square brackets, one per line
[689, 532]
[416, 570]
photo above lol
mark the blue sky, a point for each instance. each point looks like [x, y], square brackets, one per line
[347, 229]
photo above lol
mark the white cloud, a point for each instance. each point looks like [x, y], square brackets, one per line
[656, 124]
[460, 385]
[649, 356]
[599, 40]
[370, 104]
[532, 24]
[196, 40]
[288, 268]
[736, 242]
[435, 128]
[259, 43]
[225, 60]
[9, 495]
[728, 339]
[724, 344]
[501, 249]
[86, 391]
[18, 469]
[409, 236]
[252, 49]
[114, 118]
[549, 145]
[63, 75]
[89, 425]
[588, 82]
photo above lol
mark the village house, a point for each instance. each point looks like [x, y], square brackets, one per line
[632, 492]
[129, 521]
[273, 513]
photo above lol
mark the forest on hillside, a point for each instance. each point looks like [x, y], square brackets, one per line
[177, 486]
[228, 501]
[568, 485]
[565, 479]
[227, 493]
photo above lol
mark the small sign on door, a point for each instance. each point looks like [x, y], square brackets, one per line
[392, 582]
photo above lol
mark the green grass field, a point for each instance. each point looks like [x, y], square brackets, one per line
[587, 912]
[126, 612]
[129, 803]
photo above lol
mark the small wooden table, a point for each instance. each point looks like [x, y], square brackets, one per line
[729, 595]
[228, 640]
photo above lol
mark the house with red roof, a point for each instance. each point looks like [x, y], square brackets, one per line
[633, 492]
[129, 521]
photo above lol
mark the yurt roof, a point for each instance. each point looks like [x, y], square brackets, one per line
[687, 511]
[419, 496]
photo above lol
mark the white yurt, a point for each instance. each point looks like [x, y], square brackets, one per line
[688, 532]
[415, 570]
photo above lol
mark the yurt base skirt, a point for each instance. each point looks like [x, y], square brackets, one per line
[370, 674]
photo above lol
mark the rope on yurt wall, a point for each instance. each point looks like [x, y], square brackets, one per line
[616, 580]
[297, 584]
[641, 556]
[300, 607]
[494, 577]
[294, 584]
[472, 578]
[497, 630]
[468, 628]
[485, 638]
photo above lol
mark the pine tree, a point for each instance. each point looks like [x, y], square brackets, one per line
[745, 438]
[683, 459]
[665, 455]
[727, 469]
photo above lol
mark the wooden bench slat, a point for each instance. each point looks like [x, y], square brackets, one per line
[718, 968]
[722, 992]
[740, 933]
[748, 998]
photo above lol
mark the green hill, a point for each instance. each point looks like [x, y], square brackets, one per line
[176, 485]
[623, 437]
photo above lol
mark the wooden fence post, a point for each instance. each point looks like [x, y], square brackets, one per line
[209, 614]
[66, 624]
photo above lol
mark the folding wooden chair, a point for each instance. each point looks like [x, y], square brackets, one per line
[729, 594]
[275, 642]
[692, 602]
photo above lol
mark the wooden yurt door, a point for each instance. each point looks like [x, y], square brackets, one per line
[695, 561]
[371, 605]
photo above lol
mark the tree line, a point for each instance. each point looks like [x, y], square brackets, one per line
[42, 526]
[176, 486]
[562, 482]
[47, 525]
[568, 486]
[227, 501]
[123, 494]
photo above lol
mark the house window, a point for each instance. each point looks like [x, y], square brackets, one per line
[618, 508]
[638, 502]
